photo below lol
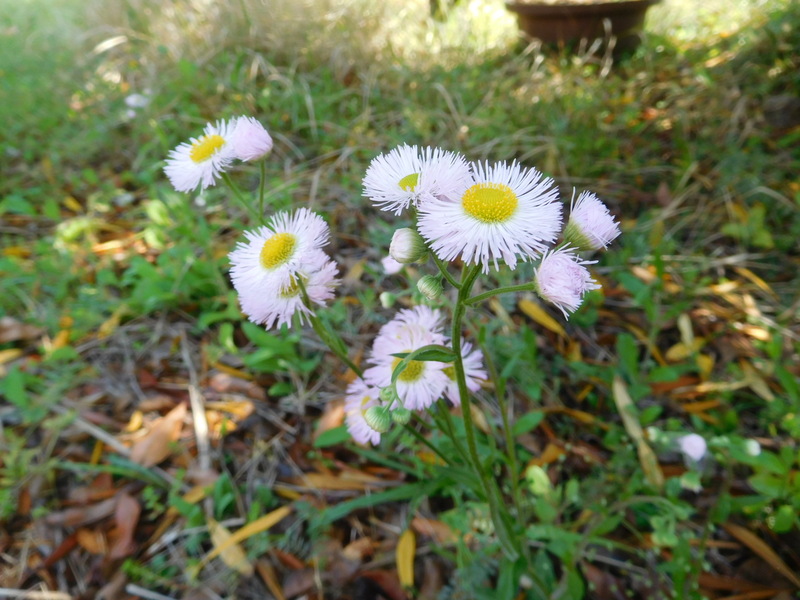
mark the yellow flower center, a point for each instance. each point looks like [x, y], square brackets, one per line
[277, 250]
[293, 289]
[206, 147]
[413, 371]
[409, 182]
[490, 202]
[450, 372]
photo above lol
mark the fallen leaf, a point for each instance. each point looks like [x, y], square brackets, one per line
[332, 417]
[126, 517]
[267, 574]
[432, 528]
[12, 330]
[241, 534]
[404, 556]
[82, 515]
[534, 311]
[757, 545]
[388, 583]
[229, 551]
[551, 453]
[156, 445]
[92, 540]
[647, 457]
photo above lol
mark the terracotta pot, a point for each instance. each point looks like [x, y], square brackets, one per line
[564, 23]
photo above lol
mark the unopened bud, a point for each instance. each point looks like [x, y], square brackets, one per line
[401, 415]
[430, 286]
[388, 395]
[407, 246]
[387, 299]
[378, 418]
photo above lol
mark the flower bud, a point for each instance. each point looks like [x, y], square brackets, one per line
[250, 140]
[407, 246]
[590, 225]
[562, 279]
[387, 299]
[378, 418]
[692, 446]
[401, 415]
[388, 395]
[430, 286]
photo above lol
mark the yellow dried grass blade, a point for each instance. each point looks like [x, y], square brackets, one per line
[535, 312]
[647, 458]
[249, 530]
[229, 551]
[405, 553]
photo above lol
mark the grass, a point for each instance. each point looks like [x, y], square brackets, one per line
[117, 302]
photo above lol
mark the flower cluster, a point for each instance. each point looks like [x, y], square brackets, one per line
[201, 161]
[486, 214]
[281, 269]
[419, 384]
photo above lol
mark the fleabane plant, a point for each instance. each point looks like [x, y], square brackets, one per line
[484, 217]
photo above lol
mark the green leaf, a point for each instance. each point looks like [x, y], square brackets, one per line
[527, 422]
[432, 352]
[331, 437]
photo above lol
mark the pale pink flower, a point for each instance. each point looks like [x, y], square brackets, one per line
[591, 226]
[473, 370]
[202, 160]
[422, 382]
[562, 279]
[693, 446]
[391, 266]
[502, 213]
[406, 175]
[250, 140]
[360, 397]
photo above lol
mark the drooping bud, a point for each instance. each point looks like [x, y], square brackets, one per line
[562, 279]
[401, 415]
[378, 418]
[430, 286]
[407, 246]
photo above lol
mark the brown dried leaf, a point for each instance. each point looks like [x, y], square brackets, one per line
[534, 311]
[126, 517]
[270, 579]
[332, 417]
[647, 457]
[12, 330]
[92, 540]
[82, 515]
[757, 545]
[156, 445]
[432, 528]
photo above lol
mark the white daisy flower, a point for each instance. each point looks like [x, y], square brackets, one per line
[201, 160]
[591, 226]
[422, 382]
[562, 279]
[422, 318]
[473, 371]
[503, 211]
[361, 397]
[276, 305]
[250, 140]
[290, 242]
[405, 175]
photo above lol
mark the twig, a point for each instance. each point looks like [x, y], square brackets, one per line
[33, 594]
[136, 590]
[198, 410]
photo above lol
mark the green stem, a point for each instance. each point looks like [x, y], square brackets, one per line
[422, 439]
[523, 287]
[500, 392]
[238, 194]
[445, 418]
[510, 547]
[443, 270]
[262, 184]
[329, 337]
